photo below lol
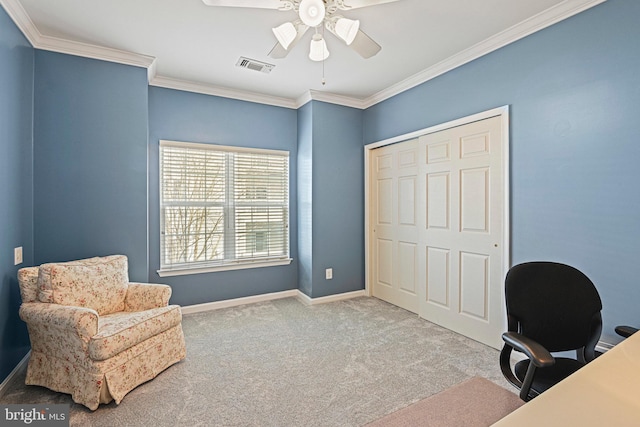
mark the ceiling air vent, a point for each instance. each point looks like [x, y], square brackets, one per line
[254, 65]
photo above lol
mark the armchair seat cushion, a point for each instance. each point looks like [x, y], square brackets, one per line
[119, 331]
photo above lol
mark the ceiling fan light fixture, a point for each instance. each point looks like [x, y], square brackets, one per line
[285, 33]
[318, 50]
[312, 12]
[347, 29]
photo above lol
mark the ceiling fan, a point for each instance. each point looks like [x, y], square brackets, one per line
[314, 14]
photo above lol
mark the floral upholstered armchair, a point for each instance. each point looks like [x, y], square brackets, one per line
[94, 334]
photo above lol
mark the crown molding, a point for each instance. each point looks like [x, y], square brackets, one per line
[544, 19]
[551, 16]
[332, 98]
[95, 52]
[39, 41]
[19, 16]
[188, 86]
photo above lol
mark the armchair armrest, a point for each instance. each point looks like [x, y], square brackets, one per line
[61, 331]
[145, 296]
[82, 320]
[538, 355]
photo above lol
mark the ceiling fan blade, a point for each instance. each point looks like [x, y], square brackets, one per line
[364, 45]
[259, 4]
[279, 52]
[355, 4]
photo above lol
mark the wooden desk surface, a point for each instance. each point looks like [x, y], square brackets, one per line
[606, 392]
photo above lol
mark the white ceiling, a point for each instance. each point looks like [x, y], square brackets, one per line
[189, 44]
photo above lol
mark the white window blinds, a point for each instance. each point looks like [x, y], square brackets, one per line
[222, 205]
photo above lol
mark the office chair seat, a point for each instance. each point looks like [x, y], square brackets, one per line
[548, 377]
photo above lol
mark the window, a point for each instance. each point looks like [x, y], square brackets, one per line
[222, 207]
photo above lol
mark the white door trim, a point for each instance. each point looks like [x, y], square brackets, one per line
[503, 112]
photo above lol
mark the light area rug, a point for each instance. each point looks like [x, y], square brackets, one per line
[475, 402]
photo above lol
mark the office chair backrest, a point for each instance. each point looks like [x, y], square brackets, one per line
[553, 304]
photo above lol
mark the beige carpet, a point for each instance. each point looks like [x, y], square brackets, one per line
[475, 402]
[282, 363]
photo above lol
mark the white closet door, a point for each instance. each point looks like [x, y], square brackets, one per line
[395, 228]
[462, 237]
[437, 211]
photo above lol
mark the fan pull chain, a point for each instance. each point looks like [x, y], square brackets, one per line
[323, 59]
[323, 80]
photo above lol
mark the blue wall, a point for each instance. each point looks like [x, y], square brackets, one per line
[90, 160]
[190, 117]
[92, 128]
[16, 190]
[305, 198]
[337, 199]
[574, 94]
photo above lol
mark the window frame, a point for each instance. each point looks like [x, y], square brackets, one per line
[229, 214]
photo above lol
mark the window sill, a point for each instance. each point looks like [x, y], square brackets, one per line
[227, 267]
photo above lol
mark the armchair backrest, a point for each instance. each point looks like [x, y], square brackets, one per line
[99, 283]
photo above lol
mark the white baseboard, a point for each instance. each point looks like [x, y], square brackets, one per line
[7, 382]
[603, 347]
[216, 305]
[330, 298]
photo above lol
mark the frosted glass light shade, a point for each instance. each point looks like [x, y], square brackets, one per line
[285, 33]
[312, 12]
[318, 50]
[347, 29]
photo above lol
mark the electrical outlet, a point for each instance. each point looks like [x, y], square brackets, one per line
[328, 273]
[17, 255]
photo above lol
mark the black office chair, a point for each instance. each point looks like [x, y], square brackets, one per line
[551, 307]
